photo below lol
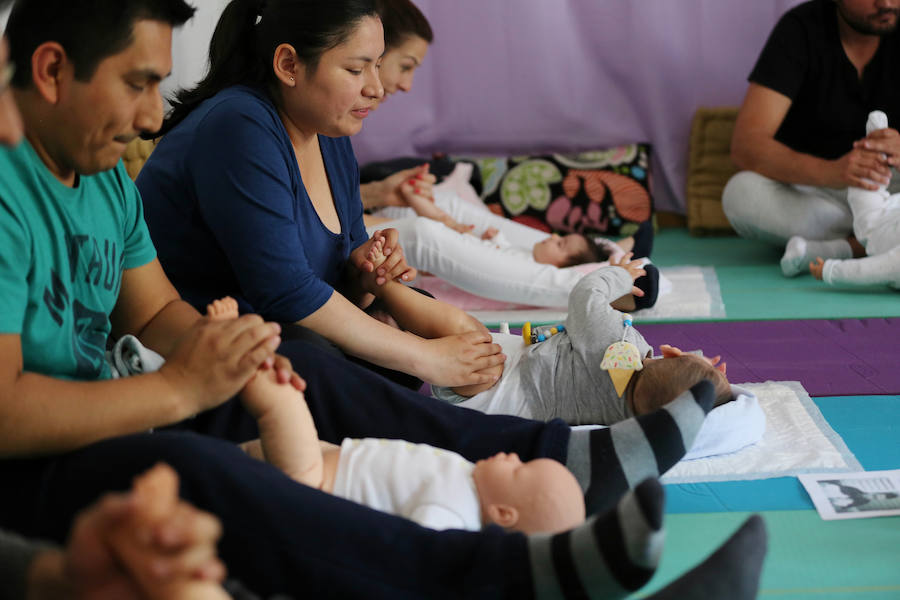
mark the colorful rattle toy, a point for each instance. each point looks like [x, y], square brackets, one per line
[622, 359]
[533, 335]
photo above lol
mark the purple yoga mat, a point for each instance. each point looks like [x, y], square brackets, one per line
[835, 357]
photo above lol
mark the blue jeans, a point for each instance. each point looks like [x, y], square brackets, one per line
[281, 536]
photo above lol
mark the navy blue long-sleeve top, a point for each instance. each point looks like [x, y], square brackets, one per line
[229, 214]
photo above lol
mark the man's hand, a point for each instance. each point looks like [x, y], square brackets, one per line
[215, 359]
[884, 142]
[284, 372]
[862, 168]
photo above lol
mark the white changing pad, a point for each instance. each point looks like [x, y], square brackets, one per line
[694, 294]
[797, 440]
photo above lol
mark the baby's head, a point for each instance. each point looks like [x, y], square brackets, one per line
[664, 379]
[568, 250]
[540, 495]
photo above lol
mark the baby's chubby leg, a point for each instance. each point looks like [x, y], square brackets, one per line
[288, 436]
[426, 317]
[263, 394]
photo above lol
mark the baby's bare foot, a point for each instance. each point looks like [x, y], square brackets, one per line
[626, 244]
[263, 396]
[490, 233]
[376, 256]
[222, 310]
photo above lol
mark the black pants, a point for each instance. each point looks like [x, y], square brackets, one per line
[281, 536]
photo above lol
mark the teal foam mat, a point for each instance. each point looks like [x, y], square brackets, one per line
[753, 287]
[807, 558]
[869, 425]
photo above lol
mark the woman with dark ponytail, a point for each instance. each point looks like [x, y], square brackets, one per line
[254, 190]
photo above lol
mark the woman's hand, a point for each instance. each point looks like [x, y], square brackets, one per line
[458, 360]
[394, 265]
[396, 189]
[416, 182]
[284, 372]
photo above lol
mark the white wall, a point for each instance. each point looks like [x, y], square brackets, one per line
[190, 45]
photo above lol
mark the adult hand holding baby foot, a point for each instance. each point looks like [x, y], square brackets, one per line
[416, 183]
[215, 359]
[461, 359]
[394, 265]
[369, 279]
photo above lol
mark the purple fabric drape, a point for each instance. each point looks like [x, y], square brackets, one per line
[517, 76]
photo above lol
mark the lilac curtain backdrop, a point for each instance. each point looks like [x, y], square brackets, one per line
[510, 76]
[514, 76]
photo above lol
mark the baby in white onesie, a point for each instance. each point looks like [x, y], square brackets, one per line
[434, 487]
[876, 225]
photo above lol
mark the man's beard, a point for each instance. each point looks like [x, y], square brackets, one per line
[867, 28]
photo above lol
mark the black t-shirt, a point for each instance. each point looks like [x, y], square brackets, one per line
[804, 60]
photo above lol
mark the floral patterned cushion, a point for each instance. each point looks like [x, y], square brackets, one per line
[603, 192]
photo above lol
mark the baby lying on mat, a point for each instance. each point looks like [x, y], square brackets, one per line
[561, 377]
[516, 263]
[433, 487]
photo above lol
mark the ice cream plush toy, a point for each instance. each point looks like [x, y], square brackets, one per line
[621, 360]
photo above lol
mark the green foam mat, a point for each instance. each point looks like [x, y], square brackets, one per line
[807, 558]
[753, 287]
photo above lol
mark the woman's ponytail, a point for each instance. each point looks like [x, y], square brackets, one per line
[248, 33]
[234, 58]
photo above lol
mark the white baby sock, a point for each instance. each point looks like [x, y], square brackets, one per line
[877, 120]
[799, 252]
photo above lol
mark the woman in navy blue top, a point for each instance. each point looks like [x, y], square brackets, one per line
[254, 192]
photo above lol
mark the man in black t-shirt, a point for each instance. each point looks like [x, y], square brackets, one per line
[800, 135]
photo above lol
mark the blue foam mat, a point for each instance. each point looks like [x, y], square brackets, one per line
[869, 425]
